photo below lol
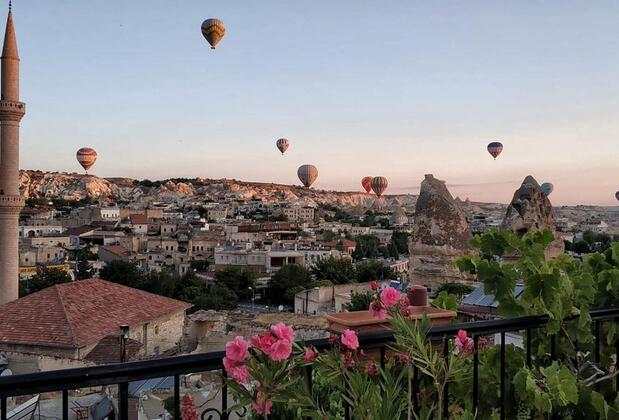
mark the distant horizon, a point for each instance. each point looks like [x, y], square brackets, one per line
[412, 191]
[397, 90]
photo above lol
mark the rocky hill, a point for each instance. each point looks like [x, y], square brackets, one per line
[73, 186]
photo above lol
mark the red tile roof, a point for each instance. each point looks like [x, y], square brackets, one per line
[108, 350]
[138, 219]
[75, 314]
[116, 249]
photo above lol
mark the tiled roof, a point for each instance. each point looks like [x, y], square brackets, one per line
[138, 219]
[108, 350]
[76, 231]
[79, 313]
[116, 249]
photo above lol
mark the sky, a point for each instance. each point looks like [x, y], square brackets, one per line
[394, 88]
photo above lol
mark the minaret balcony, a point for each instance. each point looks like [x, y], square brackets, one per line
[12, 111]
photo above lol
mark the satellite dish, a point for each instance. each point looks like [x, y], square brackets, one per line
[280, 308]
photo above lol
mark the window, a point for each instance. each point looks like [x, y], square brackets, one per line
[156, 329]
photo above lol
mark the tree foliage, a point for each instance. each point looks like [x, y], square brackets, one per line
[336, 270]
[370, 270]
[288, 281]
[238, 279]
[45, 277]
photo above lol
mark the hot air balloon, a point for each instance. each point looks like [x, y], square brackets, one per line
[282, 145]
[307, 174]
[547, 188]
[366, 183]
[87, 157]
[617, 195]
[213, 30]
[495, 148]
[379, 185]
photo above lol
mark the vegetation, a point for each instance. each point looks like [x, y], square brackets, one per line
[371, 270]
[453, 288]
[360, 301]
[238, 279]
[400, 241]
[369, 247]
[591, 242]
[45, 277]
[289, 280]
[336, 270]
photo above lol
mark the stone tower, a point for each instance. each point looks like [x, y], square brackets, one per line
[11, 202]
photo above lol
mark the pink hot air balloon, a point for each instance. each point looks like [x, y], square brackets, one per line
[307, 174]
[282, 145]
[366, 183]
[379, 185]
[495, 148]
[87, 157]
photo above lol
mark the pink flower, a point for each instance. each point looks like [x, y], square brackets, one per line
[464, 343]
[377, 310]
[374, 285]
[350, 340]
[370, 368]
[236, 370]
[283, 331]
[389, 297]
[263, 341]
[262, 404]
[310, 355]
[280, 350]
[237, 349]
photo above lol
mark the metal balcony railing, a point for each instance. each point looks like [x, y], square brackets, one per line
[123, 373]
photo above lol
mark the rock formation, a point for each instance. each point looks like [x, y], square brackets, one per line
[531, 210]
[440, 234]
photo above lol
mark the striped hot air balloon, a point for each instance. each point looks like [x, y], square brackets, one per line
[213, 30]
[547, 188]
[307, 174]
[87, 157]
[379, 185]
[282, 145]
[495, 148]
[366, 183]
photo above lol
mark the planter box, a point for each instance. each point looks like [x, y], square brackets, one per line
[362, 322]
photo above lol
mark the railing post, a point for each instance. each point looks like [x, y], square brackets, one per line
[65, 404]
[3, 408]
[382, 357]
[446, 390]
[528, 344]
[475, 372]
[597, 342]
[502, 395]
[415, 379]
[177, 397]
[224, 396]
[308, 372]
[346, 406]
[123, 400]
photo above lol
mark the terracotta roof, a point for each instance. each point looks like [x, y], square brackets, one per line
[75, 314]
[76, 231]
[138, 219]
[116, 249]
[108, 350]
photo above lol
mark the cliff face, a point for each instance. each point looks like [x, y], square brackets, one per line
[531, 210]
[440, 234]
[73, 186]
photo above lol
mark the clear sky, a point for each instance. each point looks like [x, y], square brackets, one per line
[393, 88]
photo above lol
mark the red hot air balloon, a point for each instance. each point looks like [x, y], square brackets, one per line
[87, 157]
[495, 148]
[213, 30]
[282, 145]
[366, 183]
[307, 174]
[379, 185]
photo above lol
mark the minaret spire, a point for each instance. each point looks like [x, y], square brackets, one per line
[11, 202]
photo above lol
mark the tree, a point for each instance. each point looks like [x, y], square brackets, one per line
[454, 288]
[360, 301]
[370, 270]
[369, 219]
[238, 279]
[336, 270]
[290, 276]
[45, 277]
[400, 240]
[218, 297]
[367, 247]
[123, 272]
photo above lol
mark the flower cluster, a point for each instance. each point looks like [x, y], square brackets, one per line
[465, 344]
[388, 298]
[276, 343]
[237, 351]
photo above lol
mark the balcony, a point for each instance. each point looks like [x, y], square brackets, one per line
[176, 369]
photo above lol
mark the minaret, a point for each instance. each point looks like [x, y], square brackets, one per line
[11, 203]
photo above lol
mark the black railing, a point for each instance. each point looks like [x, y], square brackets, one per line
[123, 373]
